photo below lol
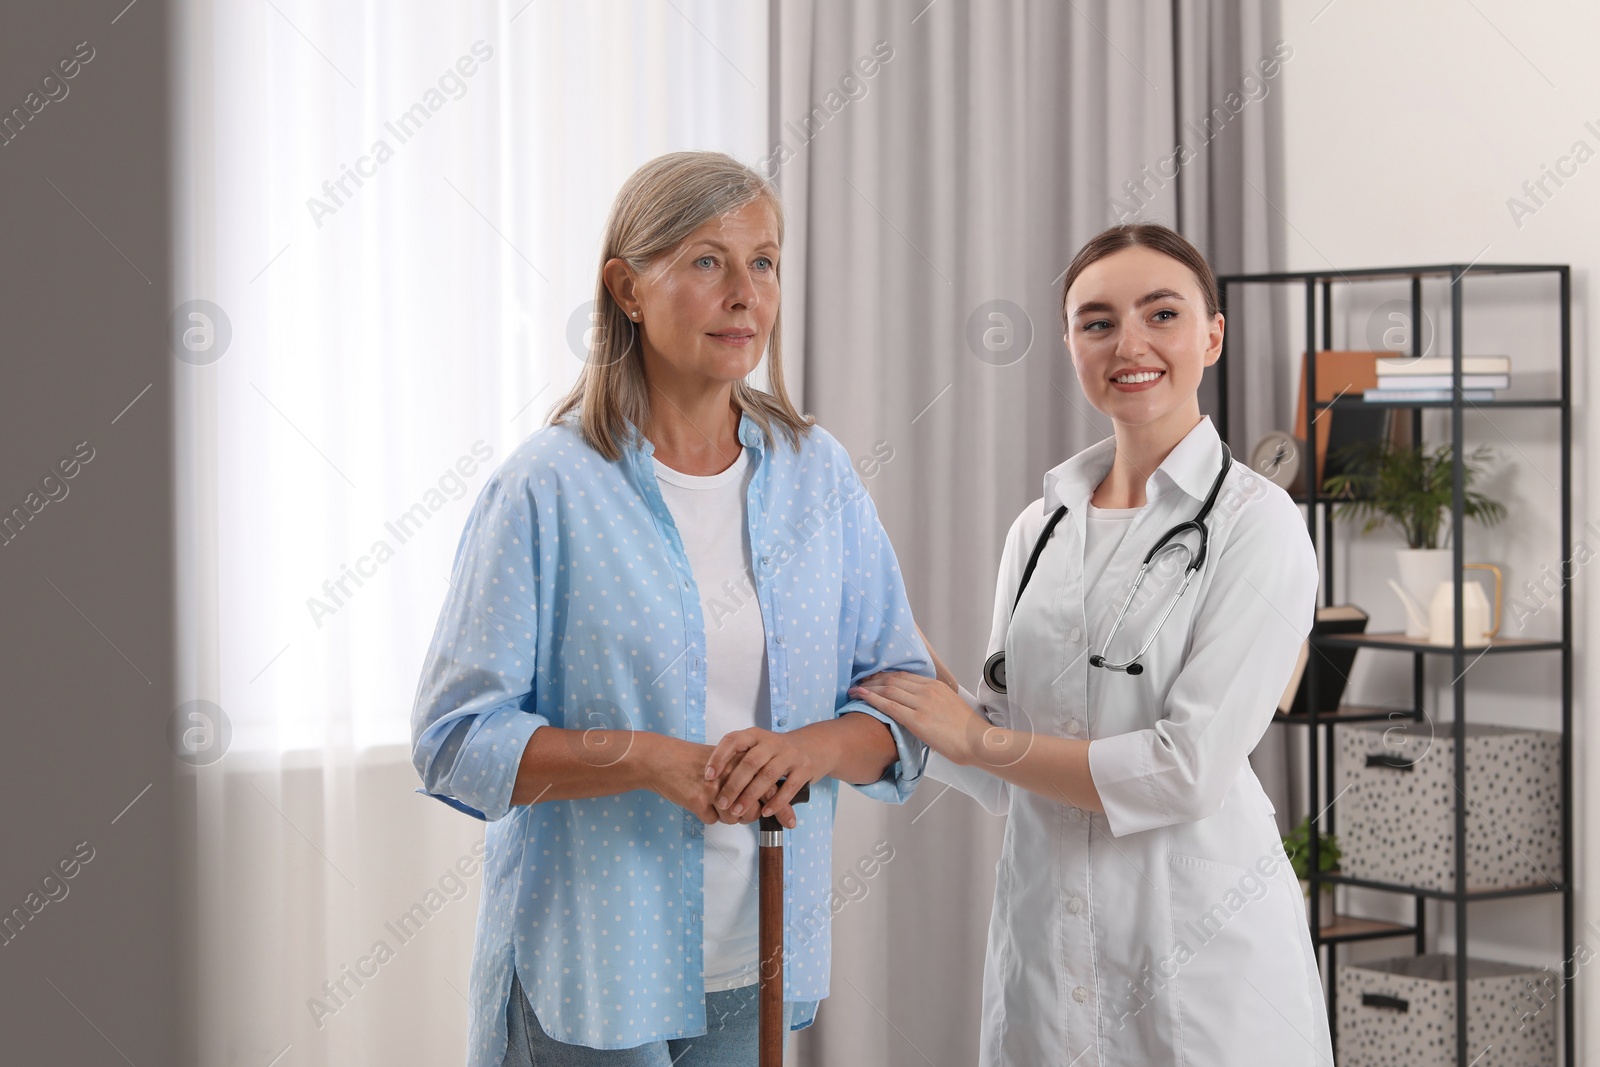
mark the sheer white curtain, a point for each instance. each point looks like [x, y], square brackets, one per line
[394, 213]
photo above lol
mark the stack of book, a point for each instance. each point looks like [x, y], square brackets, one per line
[1410, 380]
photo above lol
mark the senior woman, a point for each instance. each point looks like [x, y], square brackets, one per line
[656, 611]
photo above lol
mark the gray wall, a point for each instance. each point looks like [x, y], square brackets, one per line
[87, 581]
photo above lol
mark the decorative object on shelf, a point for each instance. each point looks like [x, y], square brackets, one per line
[1412, 488]
[1438, 621]
[1477, 626]
[1298, 846]
[1334, 671]
[1396, 791]
[1421, 570]
[1403, 1011]
[1276, 457]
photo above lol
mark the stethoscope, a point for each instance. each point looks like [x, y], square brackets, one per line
[994, 670]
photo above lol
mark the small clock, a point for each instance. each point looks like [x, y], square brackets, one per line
[1276, 457]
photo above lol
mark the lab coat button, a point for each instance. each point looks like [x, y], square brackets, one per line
[1074, 635]
[1080, 994]
[1074, 726]
[1075, 905]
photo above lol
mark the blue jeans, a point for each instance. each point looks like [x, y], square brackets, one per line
[732, 1026]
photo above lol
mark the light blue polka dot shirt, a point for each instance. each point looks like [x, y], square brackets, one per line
[571, 603]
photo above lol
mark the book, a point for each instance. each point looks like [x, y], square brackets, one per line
[1351, 426]
[1443, 381]
[1333, 664]
[1338, 374]
[1425, 395]
[1392, 364]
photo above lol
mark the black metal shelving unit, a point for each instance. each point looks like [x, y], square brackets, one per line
[1318, 288]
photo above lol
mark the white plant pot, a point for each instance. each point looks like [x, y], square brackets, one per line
[1421, 570]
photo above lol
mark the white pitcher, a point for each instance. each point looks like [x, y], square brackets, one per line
[1477, 625]
[1421, 570]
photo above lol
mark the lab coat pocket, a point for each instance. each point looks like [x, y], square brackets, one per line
[1238, 977]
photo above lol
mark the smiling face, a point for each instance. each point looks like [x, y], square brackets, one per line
[705, 309]
[1141, 335]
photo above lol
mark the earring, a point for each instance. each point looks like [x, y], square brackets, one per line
[635, 314]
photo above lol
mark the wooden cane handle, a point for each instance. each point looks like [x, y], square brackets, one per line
[770, 822]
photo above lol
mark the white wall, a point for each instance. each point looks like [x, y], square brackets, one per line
[1408, 126]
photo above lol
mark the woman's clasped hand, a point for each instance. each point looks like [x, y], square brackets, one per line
[736, 780]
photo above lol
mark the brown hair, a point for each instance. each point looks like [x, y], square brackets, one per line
[1152, 235]
[662, 203]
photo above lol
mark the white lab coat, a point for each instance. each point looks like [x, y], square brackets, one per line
[1171, 928]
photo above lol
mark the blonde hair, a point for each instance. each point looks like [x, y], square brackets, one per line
[659, 205]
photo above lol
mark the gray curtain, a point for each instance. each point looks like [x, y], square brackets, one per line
[934, 204]
[1231, 205]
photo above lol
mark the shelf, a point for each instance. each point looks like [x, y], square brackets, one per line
[1372, 274]
[1551, 404]
[1322, 498]
[1347, 402]
[1347, 713]
[1528, 889]
[1399, 642]
[1351, 928]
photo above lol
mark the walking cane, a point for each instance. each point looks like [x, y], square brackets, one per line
[771, 890]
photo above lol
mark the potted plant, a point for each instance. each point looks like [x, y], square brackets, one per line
[1412, 490]
[1298, 847]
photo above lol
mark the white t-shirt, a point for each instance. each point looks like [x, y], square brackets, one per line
[1103, 533]
[710, 515]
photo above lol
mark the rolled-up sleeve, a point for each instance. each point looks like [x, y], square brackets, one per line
[474, 714]
[1246, 637]
[876, 609]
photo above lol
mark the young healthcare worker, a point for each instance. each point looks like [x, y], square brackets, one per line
[1144, 910]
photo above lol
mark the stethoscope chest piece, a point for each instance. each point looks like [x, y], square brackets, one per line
[994, 672]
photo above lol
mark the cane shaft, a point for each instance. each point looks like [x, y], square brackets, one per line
[772, 956]
[771, 940]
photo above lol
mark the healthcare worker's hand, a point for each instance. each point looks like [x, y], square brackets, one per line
[747, 764]
[936, 713]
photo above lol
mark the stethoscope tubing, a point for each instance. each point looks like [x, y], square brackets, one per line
[994, 669]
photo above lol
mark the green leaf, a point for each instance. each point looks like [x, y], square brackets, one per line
[1298, 846]
[1408, 488]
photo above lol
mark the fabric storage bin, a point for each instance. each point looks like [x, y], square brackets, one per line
[1402, 1013]
[1397, 797]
